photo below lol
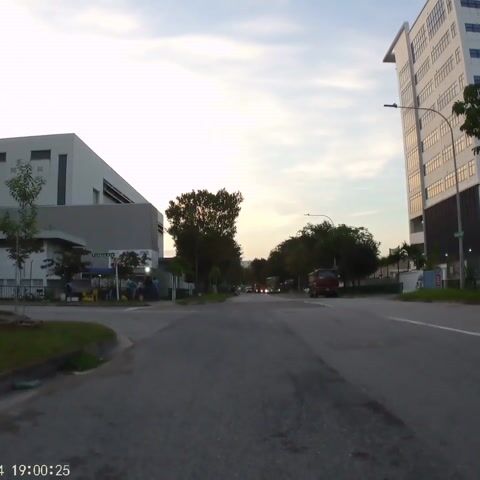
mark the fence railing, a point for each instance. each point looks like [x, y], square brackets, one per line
[22, 292]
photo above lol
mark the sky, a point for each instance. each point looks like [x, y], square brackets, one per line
[281, 100]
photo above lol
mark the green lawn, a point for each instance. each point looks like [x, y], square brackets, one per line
[205, 298]
[443, 295]
[26, 346]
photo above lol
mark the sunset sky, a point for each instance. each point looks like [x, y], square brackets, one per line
[280, 99]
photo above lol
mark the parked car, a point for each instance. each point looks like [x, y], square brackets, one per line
[323, 282]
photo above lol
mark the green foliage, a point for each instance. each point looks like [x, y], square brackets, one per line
[203, 227]
[352, 249]
[470, 109]
[67, 263]
[129, 261]
[20, 231]
[443, 295]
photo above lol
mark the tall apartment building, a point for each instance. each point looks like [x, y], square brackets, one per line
[84, 202]
[435, 59]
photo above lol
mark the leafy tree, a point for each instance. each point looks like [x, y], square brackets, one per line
[470, 108]
[67, 263]
[259, 269]
[129, 261]
[203, 227]
[214, 277]
[20, 229]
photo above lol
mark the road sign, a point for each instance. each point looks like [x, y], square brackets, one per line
[103, 254]
[459, 234]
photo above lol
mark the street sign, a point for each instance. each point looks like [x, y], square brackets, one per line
[103, 254]
[459, 234]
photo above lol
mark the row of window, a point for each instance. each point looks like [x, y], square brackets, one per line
[425, 93]
[404, 75]
[413, 159]
[407, 95]
[444, 70]
[419, 43]
[34, 155]
[447, 96]
[470, 3]
[422, 71]
[440, 46]
[408, 118]
[24, 282]
[440, 186]
[414, 182]
[427, 117]
[472, 27]
[430, 140]
[416, 203]
[411, 138]
[436, 18]
[433, 164]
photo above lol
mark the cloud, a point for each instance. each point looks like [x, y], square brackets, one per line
[366, 213]
[287, 124]
[268, 27]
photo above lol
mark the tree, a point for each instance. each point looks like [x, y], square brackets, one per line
[20, 231]
[214, 277]
[470, 108]
[67, 263]
[129, 261]
[203, 227]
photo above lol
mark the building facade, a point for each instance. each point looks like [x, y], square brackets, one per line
[84, 202]
[435, 59]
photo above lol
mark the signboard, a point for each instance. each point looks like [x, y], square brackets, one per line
[459, 234]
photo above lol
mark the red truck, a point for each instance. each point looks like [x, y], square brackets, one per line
[323, 281]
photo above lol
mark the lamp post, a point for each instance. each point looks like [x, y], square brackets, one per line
[333, 225]
[459, 234]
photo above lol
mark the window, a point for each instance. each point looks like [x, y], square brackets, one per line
[62, 179]
[404, 75]
[447, 96]
[476, 79]
[40, 155]
[419, 43]
[471, 168]
[444, 70]
[413, 159]
[463, 173]
[428, 117]
[447, 154]
[430, 140]
[454, 121]
[408, 118]
[449, 181]
[416, 203]
[414, 182]
[433, 164]
[470, 3]
[423, 70]
[425, 93]
[457, 55]
[460, 144]
[475, 53]
[453, 30]
[435, 189]
[442, 44]
[407, 95]
[411, 138]
[472, 27]
[3, 156]
[436, 18]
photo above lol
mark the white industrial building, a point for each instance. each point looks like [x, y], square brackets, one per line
[84, 202]
[435, 59]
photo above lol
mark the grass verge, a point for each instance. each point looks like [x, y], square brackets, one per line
[205, 298]
[22, 347]
[449, 295]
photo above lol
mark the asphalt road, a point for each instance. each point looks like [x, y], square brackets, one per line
[265, 388]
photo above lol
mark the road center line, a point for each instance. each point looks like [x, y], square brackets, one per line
[439, 327]
[318, 304]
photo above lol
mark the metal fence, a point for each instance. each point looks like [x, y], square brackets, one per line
[23, 292]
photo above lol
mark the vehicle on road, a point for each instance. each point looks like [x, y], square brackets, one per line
[323, 281]
[273, 285]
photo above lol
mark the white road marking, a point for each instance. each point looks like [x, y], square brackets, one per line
[132, 309]
[439, 327]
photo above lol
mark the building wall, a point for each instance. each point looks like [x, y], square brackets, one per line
[427, 71]
[85, 170]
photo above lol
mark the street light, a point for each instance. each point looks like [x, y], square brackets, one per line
[459, 233]
[333, 225]
[147, 270]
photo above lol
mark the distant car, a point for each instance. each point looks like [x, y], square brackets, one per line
[249, 289]
[323, 281]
